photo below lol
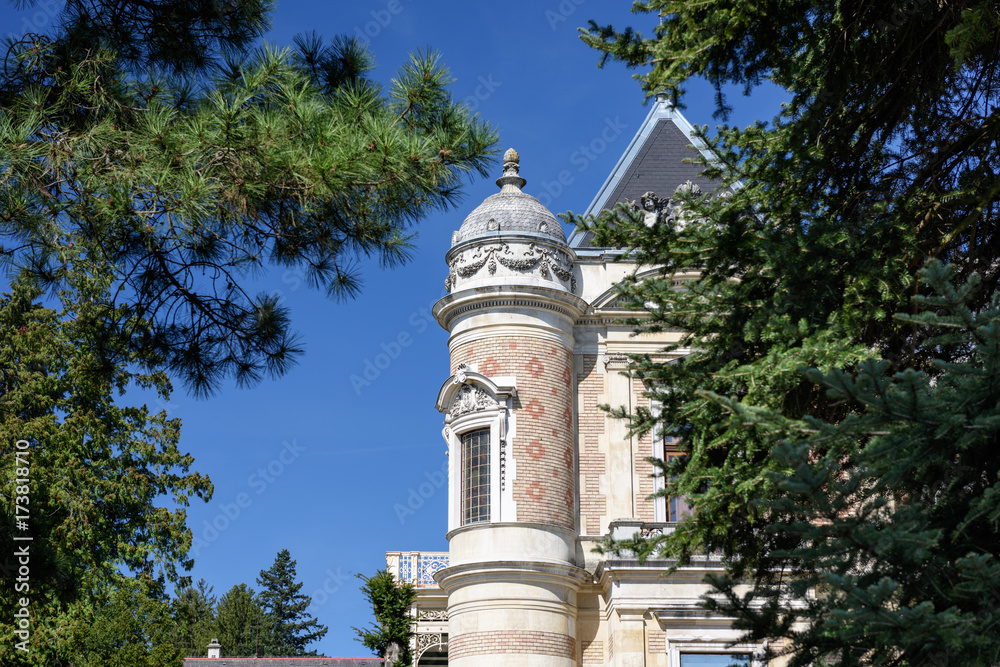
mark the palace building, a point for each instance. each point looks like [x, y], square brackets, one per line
[538, 473]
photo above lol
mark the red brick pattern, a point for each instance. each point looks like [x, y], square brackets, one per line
[593, 463]
[511, 641]
[545, 487]
[657, 642]
[593, 653]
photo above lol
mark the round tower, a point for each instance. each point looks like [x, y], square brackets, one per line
[512, 578]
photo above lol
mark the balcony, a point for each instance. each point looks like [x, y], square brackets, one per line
[416, 567]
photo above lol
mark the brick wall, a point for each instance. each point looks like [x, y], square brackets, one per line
[643, 469]
[511, 641]
[593, 653]
[545, 487]
[593, 462]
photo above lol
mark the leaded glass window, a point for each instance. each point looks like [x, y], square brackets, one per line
[476, 476]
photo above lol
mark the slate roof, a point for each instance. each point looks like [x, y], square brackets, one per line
[511, 213]
[653, 162]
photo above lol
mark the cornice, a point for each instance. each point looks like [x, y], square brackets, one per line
[508, 296]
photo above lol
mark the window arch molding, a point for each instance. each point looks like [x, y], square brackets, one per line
[471, 401]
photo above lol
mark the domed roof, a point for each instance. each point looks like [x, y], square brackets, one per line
[510, 211]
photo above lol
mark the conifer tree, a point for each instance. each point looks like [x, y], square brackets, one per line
[193, 613]
[885, 155]
[392, 630]
[241, 624]
[901, 546]
[97, 472]
[130, 626]
[292, 628]
[147, 144]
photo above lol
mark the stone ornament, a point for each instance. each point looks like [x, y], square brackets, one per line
[433, 615]
[470, 399]
[546, 262]
[666, 211]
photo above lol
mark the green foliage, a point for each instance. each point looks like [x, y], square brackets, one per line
[130, 153]
[99, 473]
[131, 627]
[193, 613]
[391, 601]
[292, 628]
[241, 625]
[895, 509]
[886, 154]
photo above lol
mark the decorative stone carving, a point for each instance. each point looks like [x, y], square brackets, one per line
[651, 531]
[616, 361]
[666, 211]
[470, 399]
[546, 261]
[433, 615]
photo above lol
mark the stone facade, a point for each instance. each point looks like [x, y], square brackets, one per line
[536, 346]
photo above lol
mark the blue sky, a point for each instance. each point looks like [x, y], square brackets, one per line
[338, 466]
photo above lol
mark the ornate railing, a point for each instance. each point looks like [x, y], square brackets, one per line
[416, 567]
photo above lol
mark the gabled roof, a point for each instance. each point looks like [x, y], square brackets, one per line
[653, 162]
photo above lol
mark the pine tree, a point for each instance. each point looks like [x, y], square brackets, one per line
[131, 152]
[392, 630]
[193, 613]
[885, 155]
[292, 628]
[241, 624]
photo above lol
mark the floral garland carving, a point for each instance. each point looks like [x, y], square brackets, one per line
[547, 261]
[470, 399]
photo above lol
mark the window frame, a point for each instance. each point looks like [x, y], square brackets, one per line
[501, 422]
[665, 448]
[467, 507]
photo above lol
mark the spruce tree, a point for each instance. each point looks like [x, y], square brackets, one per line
[292, 627]
[884, 156]
[241, 624]
[193, 613]
[900, 547]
